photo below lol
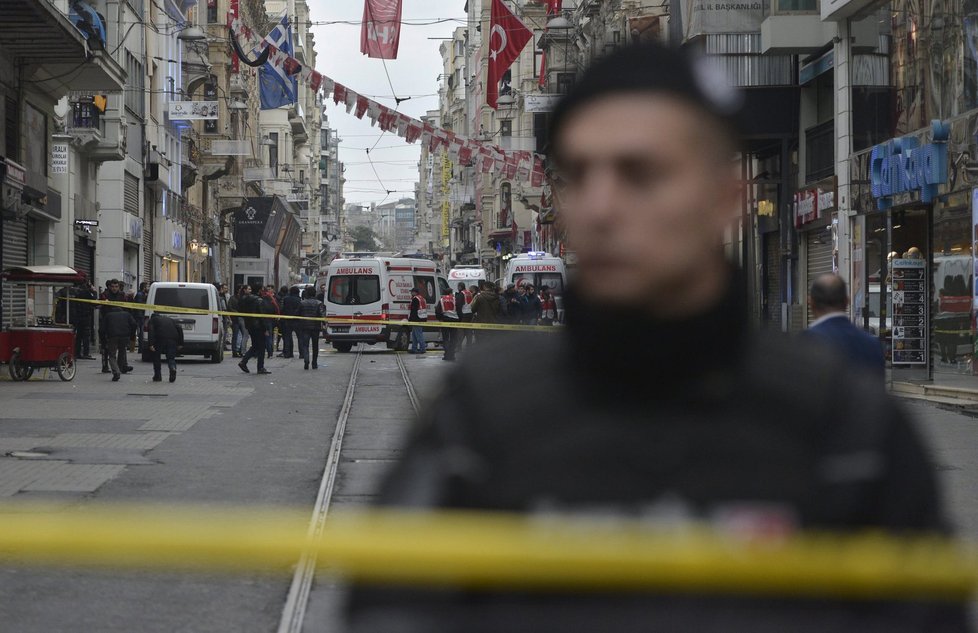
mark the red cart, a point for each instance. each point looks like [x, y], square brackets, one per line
[40, 343]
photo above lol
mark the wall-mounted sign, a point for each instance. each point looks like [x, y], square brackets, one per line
[903, 165]
[297, 197]
[192, 110]
[814, 203]
[59, 158]
[258, 173]
[177, 241]
[539, 102]
[230, 148]
[133, 228]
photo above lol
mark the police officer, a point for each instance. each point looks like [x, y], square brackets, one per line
[700, 417]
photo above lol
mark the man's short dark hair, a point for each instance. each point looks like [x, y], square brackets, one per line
[828, 292]
[653, 68]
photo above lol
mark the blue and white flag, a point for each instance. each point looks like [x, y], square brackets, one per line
[276, 87]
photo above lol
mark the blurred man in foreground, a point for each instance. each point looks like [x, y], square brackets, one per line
[697, 419]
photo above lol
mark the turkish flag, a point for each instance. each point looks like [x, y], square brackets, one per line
[507, 37]
[381, 31]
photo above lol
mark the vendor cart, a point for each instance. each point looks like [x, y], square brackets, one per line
[38, 342]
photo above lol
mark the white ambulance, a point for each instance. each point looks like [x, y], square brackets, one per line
[539, 269]
[378, 288]
[470, 275]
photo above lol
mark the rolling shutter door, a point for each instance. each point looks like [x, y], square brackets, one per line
[15, 236]
[84, 258]
[149, 270]
[131, 194]
[772, 279]
[819, 257]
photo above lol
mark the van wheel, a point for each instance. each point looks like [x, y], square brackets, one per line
[217, 356]
[343, 347]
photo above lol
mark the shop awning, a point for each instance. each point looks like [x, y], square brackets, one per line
[43, 274]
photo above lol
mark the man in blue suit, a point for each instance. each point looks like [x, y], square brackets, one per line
[828, 300]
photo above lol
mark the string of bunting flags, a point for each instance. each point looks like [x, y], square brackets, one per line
[521, 165]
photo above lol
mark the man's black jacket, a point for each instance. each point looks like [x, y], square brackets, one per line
[117, 323]
[702, 418]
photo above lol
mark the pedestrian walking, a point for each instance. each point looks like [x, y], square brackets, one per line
[270, 307]
[259, 329]
[445, 310]
[308, 331]
[164, 337]
[699, 419]
[119, 327]
[113, 292]
[223, 306]
[419, 314]
[238, 331]
[828, 300]
[290, 307]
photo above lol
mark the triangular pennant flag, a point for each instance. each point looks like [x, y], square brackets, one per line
[413, 132]
[328, 85]
[402, 123]
[351, 100]
[315, 81]
[373, 110]
[339, 93]
[465, 154]
[361, 107]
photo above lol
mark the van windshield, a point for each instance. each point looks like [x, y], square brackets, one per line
[182, 298]
[351, 290]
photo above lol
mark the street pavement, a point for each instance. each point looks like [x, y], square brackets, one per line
[218, 436]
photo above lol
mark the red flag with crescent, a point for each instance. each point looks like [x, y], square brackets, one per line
[507, 37]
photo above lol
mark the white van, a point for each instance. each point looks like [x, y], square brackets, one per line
[378, 288]
[470, 275]
[539, 269]
[202, 333]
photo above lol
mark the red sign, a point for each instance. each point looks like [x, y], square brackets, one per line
[806, 206]
[507, 37]
[381, 30]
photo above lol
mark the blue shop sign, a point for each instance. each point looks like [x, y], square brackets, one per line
[903, 165]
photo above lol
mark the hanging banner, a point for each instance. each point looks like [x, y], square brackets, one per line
[381, 31]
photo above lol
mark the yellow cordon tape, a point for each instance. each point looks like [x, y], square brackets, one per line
[490, 551]
[129, 305]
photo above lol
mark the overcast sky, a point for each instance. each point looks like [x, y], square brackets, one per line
[413, 73]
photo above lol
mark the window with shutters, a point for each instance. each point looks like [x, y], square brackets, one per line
[131, 194]
[135, 86]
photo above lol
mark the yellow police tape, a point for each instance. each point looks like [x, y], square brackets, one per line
[129, 305]
[490, 551]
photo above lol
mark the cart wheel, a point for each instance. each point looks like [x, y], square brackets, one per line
[66, 366]
[18, 371]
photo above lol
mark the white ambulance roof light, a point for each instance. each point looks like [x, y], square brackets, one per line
[535, 254]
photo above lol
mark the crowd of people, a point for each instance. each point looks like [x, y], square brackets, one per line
[266, 329]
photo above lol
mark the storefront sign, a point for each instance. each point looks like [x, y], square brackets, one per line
[192, 110]
[903, 165]
[909, 311]
[806, 206]
[709, 16]
[539, 102]
[59, 158]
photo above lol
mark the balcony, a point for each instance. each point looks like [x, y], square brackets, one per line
[796, 28]
[297, 119]
[57, 56]
[100, 136]
[819, 152]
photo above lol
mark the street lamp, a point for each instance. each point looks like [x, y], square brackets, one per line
[192, 33]
[237, 105]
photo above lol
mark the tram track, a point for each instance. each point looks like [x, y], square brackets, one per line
[297, 600]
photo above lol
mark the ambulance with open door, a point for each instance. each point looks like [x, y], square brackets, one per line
[539, 269]
[470, 275]
[378, 288]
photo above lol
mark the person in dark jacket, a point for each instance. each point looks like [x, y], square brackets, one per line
[418, 314]
[118, 327]
[164, 337]
[290, 307]
[113, 292]
[259, 328]
[308, 331]
[828, 300]
[532, 308]
[700, 419]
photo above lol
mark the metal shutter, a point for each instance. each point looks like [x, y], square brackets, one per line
[772, 281]
[15, 236]
[148, 268]
[819, 258]
[85, 258]
[131, 194]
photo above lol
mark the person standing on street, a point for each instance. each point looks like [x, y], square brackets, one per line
[141, 296]
[486, 308]
[259, 328]
[222, 306]
[463, 305]
[548, 306]
[290, 307]
[310, 308]
[768, 438]
[270, 307]
[829, 300]
[236, 323]
[82, 313]
[119, 326]
[445, 310]
[419, 314]
[532, 307]
[164, 336]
